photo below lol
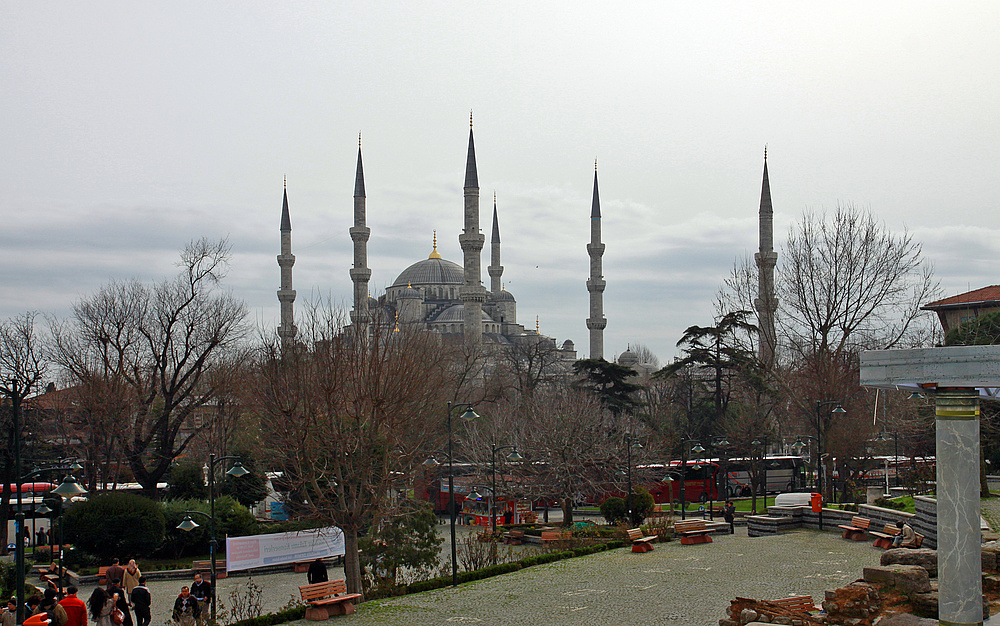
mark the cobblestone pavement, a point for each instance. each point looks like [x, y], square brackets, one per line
[673, 584]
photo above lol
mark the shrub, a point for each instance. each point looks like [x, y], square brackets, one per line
[115, 525]
[232, 519]
[642, 505]
[888, 503]
[613, 509]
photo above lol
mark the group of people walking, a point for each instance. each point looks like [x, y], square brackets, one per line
[114, 605]
[125, 593]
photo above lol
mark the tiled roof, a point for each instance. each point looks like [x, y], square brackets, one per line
[977, 296]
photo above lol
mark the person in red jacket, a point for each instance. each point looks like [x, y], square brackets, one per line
[76, 610]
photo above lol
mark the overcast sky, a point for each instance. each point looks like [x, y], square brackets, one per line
[130, 128]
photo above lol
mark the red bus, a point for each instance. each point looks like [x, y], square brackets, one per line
[699, 479]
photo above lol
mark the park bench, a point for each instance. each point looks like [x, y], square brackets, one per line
[692, 532]
[205, 568]
[557, 536]
[659, 511]
[884, 539]
[856, 531]
[796, 604]
[326, 599]
[639, 542]
[514, 537]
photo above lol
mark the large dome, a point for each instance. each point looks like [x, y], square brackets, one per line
[434, 271]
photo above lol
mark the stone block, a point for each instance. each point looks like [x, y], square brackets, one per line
[877, 574]
[991, 582]
[989, 558]
[926, 604]
[748, 615]
[906, 619]
[924, 557]
[911, 579]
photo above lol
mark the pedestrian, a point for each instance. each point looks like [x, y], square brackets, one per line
[186, 609]
[141, 601]
[76, 610]
[9, 613]
[906, 538]
[41, 538]
[729, 514]
[101, 605]
[121, 601]
[114, 571]
[57, 614]
[201, 589]
[317, 572]
[130, 578]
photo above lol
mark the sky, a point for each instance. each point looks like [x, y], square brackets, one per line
[129, 129]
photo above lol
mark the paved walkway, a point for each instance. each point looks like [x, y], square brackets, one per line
[673, 584]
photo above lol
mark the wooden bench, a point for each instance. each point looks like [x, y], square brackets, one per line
[884, 539]
[659, 511]
[326, 599]
[205, 568]
[692, 532]
[856, 531]
[639, 542]
[549, 536]
[796, 604]
[514, 537]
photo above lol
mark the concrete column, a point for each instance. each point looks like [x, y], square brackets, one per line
[959, 560]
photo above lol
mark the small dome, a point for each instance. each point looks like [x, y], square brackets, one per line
[568, 345]
[503, 296]
[628, 358]
[455, 314]
[431, 272]
[410, 293]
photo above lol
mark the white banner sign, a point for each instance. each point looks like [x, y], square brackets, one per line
[276, 549]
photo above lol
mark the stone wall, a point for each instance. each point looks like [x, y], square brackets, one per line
[782, 518]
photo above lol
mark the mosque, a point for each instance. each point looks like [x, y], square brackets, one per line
[442, 296]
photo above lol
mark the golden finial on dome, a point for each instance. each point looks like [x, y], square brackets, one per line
[537, 326]
[470, 118]
[434, 253]
[595, 164]
[286, 181]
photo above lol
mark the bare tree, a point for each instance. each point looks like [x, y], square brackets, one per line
[532, 364]
[849, 283]
[571, 445]
[22, 366]
[345, 416]
[160, 342]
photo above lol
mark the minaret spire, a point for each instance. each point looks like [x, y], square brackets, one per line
[766, 302]
[471, 240]
[286, 295]
[595, 284]
[360, 273]
[495, 269]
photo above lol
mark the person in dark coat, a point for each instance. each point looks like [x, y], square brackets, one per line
[141, 601]
[729, 514]
[122, 603]
[317, 572]
[186, 609]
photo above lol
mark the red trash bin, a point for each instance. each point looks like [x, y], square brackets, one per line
[817, 502]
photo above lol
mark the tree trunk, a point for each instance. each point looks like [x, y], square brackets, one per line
[352, 562]
[567, 507]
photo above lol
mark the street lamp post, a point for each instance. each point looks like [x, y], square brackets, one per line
[69, 488]
[188, 524]
[15, 405]
[683, 475]
[763, 462]
[838, 408]
[895, 455]
[469, 414]
[717, 444]
[513, 456]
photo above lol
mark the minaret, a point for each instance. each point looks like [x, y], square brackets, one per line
[495, 269]
[472, 294]
[595, 284]
[766, 303]
[360, 273]
[286, 295]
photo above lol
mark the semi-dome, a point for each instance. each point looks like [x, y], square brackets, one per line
[456, 313]
[628, 358]
[431, 272]
[503, 296]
